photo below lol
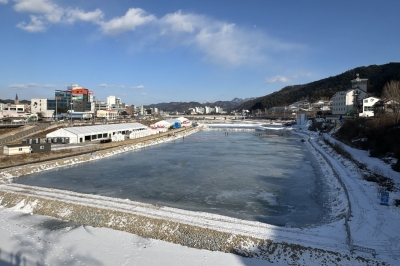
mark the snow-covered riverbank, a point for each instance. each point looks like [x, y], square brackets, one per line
[372, 226]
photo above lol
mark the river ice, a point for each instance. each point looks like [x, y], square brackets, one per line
[274, 180]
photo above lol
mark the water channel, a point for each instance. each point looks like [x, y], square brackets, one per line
[273, 180]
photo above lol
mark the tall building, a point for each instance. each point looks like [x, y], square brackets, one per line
[110, 101]
[74, 99]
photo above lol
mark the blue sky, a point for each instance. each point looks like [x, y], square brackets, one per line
[150, 51]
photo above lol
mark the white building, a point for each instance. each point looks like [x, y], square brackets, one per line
[98, 132]
[39, 105]
[368, 107]
[107, 114]
[199, 110]
[13, 110]
[14, 149]
[19, 108]
[110, 101]
[345, 101]
[218, 110]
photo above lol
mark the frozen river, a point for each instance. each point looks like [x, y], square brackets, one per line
[273, 180]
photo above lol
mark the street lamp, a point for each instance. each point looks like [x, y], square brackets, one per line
[56, 110]
[71, 112]
[56, 118]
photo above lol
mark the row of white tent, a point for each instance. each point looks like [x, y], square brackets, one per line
[133, 135]
[115, 132]
[182, 121]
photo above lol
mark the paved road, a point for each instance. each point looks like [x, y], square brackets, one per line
[24, 133]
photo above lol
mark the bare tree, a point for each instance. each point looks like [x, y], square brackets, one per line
[391, 91]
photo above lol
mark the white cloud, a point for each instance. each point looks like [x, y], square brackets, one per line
[23, 86]
[35, 6]
[56, 15]
[35, 25]
[138, 87]
[133, 18]
[227, 43]
[3, 1]
[220, 42]
[122, 86]
[179, 22]
[103, 85]
[17, 86]
[49, 86]
[278, 78]
[52, 13]
[95, 16]
[143, 94]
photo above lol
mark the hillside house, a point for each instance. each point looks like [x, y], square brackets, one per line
[347, 102]
[368, 106]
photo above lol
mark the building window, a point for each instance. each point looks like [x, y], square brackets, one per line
[19, 149]
[41, 147]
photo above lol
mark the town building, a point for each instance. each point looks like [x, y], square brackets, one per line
[107, 114]
[368, 106]
[349, 102]
[14, 149]
[110, 102]
[14, 110]
[74, 99]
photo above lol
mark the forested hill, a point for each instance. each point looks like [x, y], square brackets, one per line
[377, 76]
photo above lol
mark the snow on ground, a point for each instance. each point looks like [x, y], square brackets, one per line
[27, 239]
[38, 240]
[372, 225]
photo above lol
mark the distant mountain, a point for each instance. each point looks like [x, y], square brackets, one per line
[377, 76]
[184, 106]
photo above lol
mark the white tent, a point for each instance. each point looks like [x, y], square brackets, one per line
[98, 132]
[163, 123]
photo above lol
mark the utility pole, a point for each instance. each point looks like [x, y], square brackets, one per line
[71, 112]
[56, 109]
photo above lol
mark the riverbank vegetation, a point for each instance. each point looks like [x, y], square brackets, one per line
[377, 135]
